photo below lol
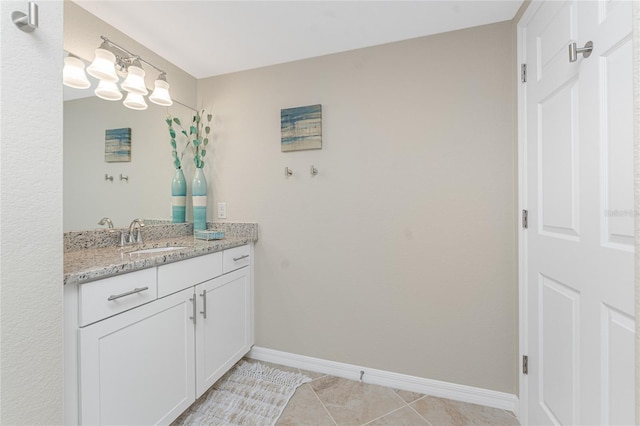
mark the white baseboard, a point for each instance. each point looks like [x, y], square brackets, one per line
[489, 398]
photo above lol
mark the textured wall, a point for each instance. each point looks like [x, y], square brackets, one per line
[636, 150]
[400, 255]
[31, 218]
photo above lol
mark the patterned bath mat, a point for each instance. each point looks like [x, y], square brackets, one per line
[252, 394]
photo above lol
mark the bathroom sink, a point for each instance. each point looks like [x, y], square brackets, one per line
[156, 250]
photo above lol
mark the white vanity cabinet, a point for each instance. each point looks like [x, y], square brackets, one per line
[224, 331]
[224, 308]
[143, 358]
[138, 368]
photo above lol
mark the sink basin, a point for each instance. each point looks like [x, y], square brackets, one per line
[156, 250]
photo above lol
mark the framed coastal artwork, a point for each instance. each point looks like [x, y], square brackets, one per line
[117, 145]
[301, 128]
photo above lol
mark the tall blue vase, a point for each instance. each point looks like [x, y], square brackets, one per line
[199, 198]
[178, 197]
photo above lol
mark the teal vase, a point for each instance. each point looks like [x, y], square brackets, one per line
[199, 198]
[178, 197]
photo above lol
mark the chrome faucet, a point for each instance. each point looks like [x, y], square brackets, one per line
[138, 237]
[107, 221]
[131, 237]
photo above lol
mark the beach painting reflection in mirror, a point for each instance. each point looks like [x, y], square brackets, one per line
[301, 128]
[117, 145]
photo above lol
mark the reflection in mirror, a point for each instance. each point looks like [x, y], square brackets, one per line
[140, 187]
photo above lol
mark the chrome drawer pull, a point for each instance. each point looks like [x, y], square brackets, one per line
[193, 302]
[128, 293]
[204, 304]
[244, 256]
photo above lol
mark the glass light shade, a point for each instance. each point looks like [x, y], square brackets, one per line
[160, 95]
[134, 83]
[108, 90]
[135, 101]
[73, 73]
[103, 66]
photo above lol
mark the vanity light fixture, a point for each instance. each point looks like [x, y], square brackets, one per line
[108, 91]
[111, 60]
[104, 64]
[135, 101]
[73, 73]
[134, 83]
[160, 93]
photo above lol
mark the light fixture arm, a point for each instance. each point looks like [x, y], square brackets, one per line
[130, 55]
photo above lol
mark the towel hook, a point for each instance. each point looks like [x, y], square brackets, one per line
[313, 170]
[108, 177]
[287, 172]
[574, 50]
[26, 23]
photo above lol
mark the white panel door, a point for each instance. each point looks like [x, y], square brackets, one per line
[131, 374]
[578, 190]
[224, 328]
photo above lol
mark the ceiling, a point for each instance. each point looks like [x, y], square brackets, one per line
[208, 38]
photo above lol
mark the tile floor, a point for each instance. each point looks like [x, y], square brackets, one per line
[332, 401]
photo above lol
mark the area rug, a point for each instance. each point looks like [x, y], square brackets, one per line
[252, 394]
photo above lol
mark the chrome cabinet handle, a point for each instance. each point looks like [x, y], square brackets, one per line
[204, 304]
[244, 256]
[128, 293]
[193, 303]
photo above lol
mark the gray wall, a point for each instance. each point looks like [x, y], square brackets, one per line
[31, 355]
[400, 255]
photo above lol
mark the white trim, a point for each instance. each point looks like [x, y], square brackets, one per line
[523, 415]
[489, 398]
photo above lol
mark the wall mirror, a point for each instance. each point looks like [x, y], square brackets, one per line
[140, 187]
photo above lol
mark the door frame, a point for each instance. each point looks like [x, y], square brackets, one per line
[523, 314]
[635, 34]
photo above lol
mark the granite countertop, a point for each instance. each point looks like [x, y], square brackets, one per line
[91, 264]
[82, 266]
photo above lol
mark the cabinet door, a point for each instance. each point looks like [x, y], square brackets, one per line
[137, 368]
[224, 329]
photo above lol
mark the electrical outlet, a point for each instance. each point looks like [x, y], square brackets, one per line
[222, 210]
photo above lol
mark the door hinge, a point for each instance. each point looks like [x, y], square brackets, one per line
[523, 73]
[525, 219]
[525, 364]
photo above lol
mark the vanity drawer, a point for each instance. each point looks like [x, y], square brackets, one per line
[236, 258]
[187, 273]
[110, 296]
